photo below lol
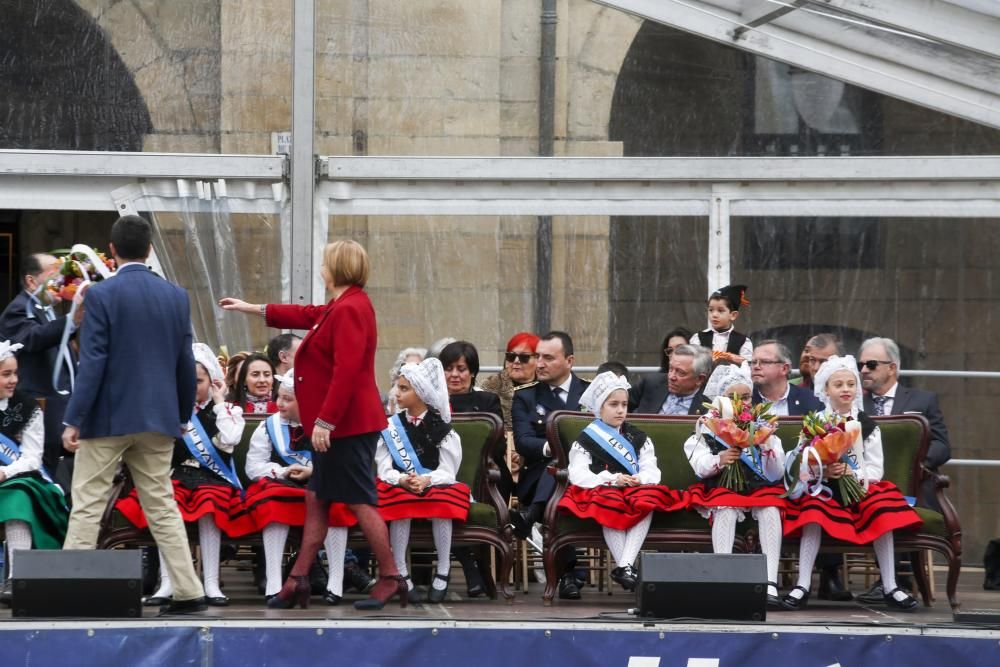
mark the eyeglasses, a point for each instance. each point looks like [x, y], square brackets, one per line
[871, 364]
[669, 350]
[816, 360]
[523, 357]
[765, 362]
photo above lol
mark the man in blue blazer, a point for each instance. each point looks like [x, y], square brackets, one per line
[35, 325]
[135, 393]
[558, 388]
[769, 368]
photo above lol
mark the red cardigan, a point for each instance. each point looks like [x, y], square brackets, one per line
[335, 364]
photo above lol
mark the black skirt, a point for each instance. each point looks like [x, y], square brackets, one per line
[345, 473]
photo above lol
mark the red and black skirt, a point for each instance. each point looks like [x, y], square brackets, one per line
[436, 502]
[621, 508]
[883, 509]
[283, 501]
[704, 497]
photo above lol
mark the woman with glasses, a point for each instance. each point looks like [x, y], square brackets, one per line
[675, 338]
[518, 369]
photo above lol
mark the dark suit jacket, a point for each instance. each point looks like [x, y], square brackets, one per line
[529, 410]
[136, 364]
[926, 403]
[651, 391]
[800, 401]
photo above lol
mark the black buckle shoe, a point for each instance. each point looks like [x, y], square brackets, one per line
[908, 603]
[626, 577]
[178, 607]
[568, 590]
[331, 599]
[792, 603]
[774, 601]
[435, 595]
[831, 587]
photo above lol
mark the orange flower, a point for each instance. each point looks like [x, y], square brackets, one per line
[831, 447]
[728, 432]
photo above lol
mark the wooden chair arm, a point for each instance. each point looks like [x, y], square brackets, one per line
[951, 520]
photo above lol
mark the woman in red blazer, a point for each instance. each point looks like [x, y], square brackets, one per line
[341, 410]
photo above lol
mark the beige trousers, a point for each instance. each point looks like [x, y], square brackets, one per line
[147, 456]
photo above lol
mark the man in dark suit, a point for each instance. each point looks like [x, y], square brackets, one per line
[34, 324]
[135, 393]
[769, 368]
[678, 391]
[557, 388]
[878, 362]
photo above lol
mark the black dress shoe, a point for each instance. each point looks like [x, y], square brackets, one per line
[6, 593]
[875, 594]
[435, 595]
[906, 604]
[568, 590]
[626, 577]
[522, 521]
[331, 599]
[773, 601]
[474, 586]
[177, 607]
[792, 603]
[357, 579]
[155, 602]
[219, 601]
[831, 587]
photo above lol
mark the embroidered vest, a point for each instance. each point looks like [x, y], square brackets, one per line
[426, 438]
[736, 340]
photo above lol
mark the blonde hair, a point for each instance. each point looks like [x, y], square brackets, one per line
[347, 263]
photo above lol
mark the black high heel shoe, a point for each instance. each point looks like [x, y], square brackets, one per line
[434, 595]
[296, 594]
[792, 603]
[387, 588]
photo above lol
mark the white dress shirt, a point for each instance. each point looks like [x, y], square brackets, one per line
[890, 397]
[581, 475]
[259, 463]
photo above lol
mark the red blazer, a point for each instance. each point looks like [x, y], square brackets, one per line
[335, 364]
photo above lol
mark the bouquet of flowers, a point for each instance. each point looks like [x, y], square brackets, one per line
[81, 265]
[829, 438]
[737, 423]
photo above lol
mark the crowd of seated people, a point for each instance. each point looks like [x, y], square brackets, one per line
[611, 465]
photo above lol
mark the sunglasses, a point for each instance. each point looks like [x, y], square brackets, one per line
[871, 364]
[523, 357]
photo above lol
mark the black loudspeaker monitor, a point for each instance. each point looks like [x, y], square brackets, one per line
[709, 586]
[80, 583]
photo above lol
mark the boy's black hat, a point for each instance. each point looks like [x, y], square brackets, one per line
[735, 296]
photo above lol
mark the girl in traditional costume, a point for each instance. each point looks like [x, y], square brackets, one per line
[872, 519]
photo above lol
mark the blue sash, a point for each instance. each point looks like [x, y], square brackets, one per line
[203, 451]
[280, 437]
[10, 452]
[751, 460]
[401, 449]
[614, 444]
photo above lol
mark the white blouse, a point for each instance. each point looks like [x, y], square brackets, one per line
[32, 445]
[706, 464]
[449, 459]
[259, 463]
[581, 475]
[229, 420]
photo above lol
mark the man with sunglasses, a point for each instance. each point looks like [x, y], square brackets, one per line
[878, 363]
[769, 368]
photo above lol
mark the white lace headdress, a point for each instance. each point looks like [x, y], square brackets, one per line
[7, 350]
[427, 379]
[831, 366]
[286, 381]
[603, 385]
[724, 377]
[203, 355]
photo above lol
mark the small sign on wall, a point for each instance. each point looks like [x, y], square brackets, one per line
[281, 143]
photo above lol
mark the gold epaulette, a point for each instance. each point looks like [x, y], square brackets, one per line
[526, 385]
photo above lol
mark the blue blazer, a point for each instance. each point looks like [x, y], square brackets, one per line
[24, 321]
[136, 370]
[800, 401]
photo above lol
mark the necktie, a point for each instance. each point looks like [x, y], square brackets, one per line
[879, 402]
[557, 393]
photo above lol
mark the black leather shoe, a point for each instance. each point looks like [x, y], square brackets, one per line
[220, 601]
[331, 599]
[831, 587]
[155, 602]
[773, 601]
[906, 604]
[177, 607]
[522, 521]
[474, 586]
[875, 594]
[6, 593]
[357, 579]
[568, 590]
[626, 577]
[792, 603]
[435, 595]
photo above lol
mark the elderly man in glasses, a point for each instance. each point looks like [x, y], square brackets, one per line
[769, 368]
[878, 363]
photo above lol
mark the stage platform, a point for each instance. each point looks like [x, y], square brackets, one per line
[596, 630]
